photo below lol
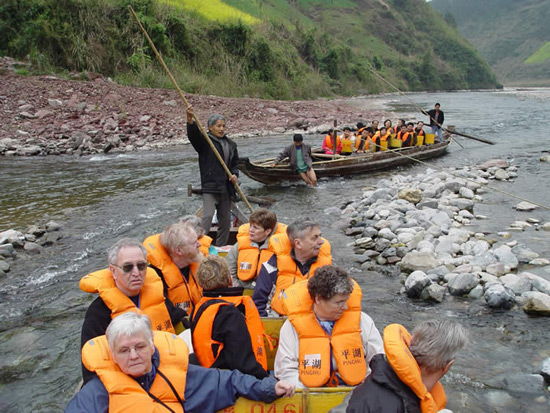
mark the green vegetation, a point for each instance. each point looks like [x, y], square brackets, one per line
[541, 55]
[261, 48]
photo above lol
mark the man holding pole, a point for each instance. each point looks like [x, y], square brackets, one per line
[436, 121]
[217, 185]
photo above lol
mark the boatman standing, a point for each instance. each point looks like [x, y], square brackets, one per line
[437, 117]
[217, 188]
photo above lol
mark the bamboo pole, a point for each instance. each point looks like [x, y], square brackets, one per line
[161, 60]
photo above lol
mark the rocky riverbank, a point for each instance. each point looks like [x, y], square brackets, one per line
[416, 228]
[47, 115]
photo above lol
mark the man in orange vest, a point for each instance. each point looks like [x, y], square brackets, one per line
[139, 370]
[127, 285]
[174, 255]
[327, 339]
[296, 255]
[226, 328]
[407, 378]
[251, 250]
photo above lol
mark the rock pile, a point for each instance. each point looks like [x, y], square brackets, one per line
[32, 241]
[418, 226]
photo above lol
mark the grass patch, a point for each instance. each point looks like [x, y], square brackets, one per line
[540, 56]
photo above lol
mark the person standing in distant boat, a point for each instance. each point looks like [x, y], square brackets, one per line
[299, 154]
[217, 187]
[437, 118]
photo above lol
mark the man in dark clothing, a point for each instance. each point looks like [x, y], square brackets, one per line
[217, 187]
[224, 321]
[437, 118]
[299, 155]
[406, 379]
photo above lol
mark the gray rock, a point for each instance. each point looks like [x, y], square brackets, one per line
[525, 206]
[484, 260]
[359, 258]
[518, 284]
[546, 226]
[524, 254]
[539, 284]
[493, 163]
[501, 175]
[52, 226]
[504, 254]
[4, 266]
[537, 304]
[50, 238]
[488, 279]
[354, 231]
[525, 383]
[55, 103]
[433, 292]
[466, 193]
[539, 262]
[36, 230]
[441, 219]
[29, 150]
[462, 284]
[476, 292]
[444, 245]
[415, 283]
[544, 370]
[364, 243]
[7, 250]
[498, 296]
[387, 234]
[496, 269]
[11, 236]
[370, 232]
[381, 244]
[422, 261]
[462, 203]
[32, 248]
[428, 203]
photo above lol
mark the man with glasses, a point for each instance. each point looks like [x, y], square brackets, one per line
[127, 285]
[327, 339]
[174, 255]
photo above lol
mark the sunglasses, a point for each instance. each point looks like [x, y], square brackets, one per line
[127, 268]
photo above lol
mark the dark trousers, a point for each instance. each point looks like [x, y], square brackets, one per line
[222, 204]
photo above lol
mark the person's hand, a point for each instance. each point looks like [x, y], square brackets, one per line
[190, 114]
[284, 389]
[425, 113]
[233, 179]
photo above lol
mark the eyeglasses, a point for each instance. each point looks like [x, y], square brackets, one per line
[138, 348]
[127, 268]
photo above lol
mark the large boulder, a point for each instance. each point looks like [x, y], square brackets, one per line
[415, 283]
[462, 284]
[537, 304]
[421, 261]
[433, 292]
[517, 283]
[500, 297]
[505, 255]
[539, 284]
[13, 237]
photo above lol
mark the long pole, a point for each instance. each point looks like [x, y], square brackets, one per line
[424, 112]
[220, 159]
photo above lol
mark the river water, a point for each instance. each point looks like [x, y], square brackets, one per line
[100, 199]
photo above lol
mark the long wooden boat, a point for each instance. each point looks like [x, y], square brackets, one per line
[328, 165]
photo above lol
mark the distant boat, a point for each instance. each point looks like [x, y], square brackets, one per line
[329, 165]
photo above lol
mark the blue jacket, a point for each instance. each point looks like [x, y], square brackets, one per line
[206, 390]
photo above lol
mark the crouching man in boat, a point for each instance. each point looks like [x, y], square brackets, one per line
[142, 371]
[127, 285]
[174, 255]
[226, 328]
[327, 339]
[296, 256]
[251, 250]
[407, 378]
[299, 155]
[206, 247]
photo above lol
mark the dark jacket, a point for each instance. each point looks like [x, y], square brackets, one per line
[230, 328]
[206, 390]
[214, 180]
[290, 152]
[440, 120]
[382, 391]
[98, 318]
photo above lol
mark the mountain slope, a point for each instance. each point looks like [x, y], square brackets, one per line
[513, 35]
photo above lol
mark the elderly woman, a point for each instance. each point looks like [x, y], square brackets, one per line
[140, 371]
[327, 339]
[206, 242]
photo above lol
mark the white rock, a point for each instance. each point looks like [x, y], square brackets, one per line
[55, 103]
[539, 283]
[537, 304]
[518, 284]
[466, 193]
[525, 206]
[505, 255]
[539, 261]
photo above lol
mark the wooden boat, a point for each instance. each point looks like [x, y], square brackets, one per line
[329, 165]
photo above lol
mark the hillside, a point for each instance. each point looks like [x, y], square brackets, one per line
[271, 49]
[512, 35]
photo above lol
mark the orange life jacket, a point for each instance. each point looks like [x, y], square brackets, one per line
[346, 145]
[251, 258]
[328, 141]
[125, 393]
[317, 348]
[288, 271]
[396, 346]
[203, 319]
[206, 242]
[182, 293]
[151, 297]
[403, 136]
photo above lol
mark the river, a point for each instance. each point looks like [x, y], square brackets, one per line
[99, 199]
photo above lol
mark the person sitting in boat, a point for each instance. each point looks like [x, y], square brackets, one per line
[299, 155]
[327, 339]
[127, 285]
[246, 256]
[407, 136]
[206, 247]
[380, 139]
[406, 378]
[387, 124]
[346, 142]
[419, 130]
[360, 127]
[224, 321]
[174, 255]
[297, 254]
[144, 371]
[364, 142]
[400, 125]
[374, 125]
[328, 143]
